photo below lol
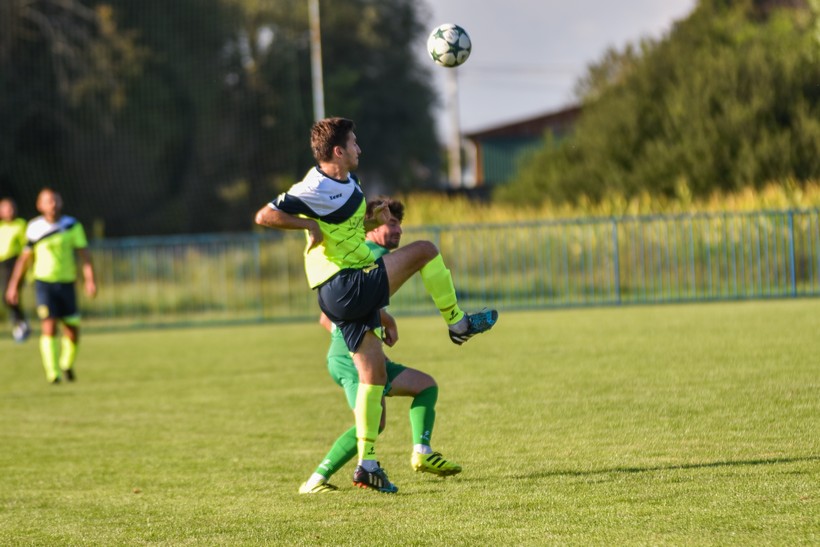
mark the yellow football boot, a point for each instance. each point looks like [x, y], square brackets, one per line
[434, 463]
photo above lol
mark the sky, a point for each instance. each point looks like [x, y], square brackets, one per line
[528, 54]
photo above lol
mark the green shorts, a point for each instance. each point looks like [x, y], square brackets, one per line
[343, 371]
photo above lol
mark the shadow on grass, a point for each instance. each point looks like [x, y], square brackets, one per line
[653, 468]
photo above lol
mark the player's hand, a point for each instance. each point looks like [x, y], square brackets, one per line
[90, 288]
[382, 214]
[12, 297]
[390, 333]
[314, 234]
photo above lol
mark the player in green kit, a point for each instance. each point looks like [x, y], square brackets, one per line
[401, 381]
[12, 241]
[53, 241]
[352, 285]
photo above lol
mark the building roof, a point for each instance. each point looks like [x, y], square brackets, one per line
[559, 121]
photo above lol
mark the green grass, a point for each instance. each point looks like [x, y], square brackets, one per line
[667, 425]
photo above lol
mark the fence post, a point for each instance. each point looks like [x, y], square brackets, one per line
[616, 261]
[257, 270]
[792, 268]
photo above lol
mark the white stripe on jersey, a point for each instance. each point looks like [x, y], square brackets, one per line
[320, 196]
[39, 227]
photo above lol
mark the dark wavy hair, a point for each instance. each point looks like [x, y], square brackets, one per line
[328, 133]
[396, 207]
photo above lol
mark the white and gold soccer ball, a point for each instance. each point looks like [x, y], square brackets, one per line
[449, 45]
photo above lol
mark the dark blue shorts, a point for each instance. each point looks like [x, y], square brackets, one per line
[353, 299]
[55, 300]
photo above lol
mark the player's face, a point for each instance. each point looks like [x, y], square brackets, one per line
[49, 204]
[6, 210]
[388, 235]
[351, 152]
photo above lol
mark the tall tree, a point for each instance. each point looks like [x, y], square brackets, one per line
[728, 99]
[64, 71]
[375, 77]
[200, 109]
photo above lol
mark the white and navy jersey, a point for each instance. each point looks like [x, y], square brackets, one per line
[53, 244]
[339, 207]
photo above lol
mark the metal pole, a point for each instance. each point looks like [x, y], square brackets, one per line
[616, 262]
[316, 60]
[792, 261]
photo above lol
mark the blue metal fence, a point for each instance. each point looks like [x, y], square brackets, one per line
[634, 260]
[546, 264]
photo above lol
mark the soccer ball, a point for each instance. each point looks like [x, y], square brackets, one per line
[449, 45]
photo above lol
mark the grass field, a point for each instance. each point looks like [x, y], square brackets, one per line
[667, 425]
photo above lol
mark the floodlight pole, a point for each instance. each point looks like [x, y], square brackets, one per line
[316, 60]
[454, 145]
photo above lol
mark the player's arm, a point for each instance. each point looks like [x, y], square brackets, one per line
[20, 267]
[274, 218]
[391, 330]
[88, 272]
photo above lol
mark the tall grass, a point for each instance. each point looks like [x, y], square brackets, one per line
[424, 209]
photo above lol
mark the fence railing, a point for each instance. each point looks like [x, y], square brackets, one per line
[559, 263]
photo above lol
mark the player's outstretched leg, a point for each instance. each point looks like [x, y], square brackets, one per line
[434, 463]
[423, 257]
[472, 324]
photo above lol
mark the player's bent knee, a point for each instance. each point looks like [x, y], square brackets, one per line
[422, 252]
[429, 249]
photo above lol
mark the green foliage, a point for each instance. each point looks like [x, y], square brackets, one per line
[375, 78]
[65, 69]
[728, 100]
[584, 427]
[190, 115]
[786, 194]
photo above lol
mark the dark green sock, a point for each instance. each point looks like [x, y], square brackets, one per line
[423, 415]
[342, 451]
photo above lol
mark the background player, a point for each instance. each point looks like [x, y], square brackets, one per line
[401, 381]
[12, 241]
[53, 241]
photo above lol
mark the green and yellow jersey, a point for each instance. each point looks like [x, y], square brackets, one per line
[53, 245]
[339, 207]
[338, 347]
[12, 238]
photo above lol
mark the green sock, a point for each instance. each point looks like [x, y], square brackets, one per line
[68, 353]
[368, 414]
[423, 415]
[342, 451]
[48, 353]
[439, 284]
